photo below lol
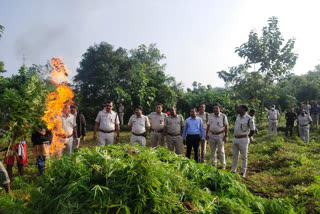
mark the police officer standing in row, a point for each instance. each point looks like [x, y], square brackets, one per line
[139, 125]
[244, 129]
[273, 117]
[108, 122]
[173, 129]
[157, 125]
[304, 121]
[314, 112]
[205, 117]
[218, 136]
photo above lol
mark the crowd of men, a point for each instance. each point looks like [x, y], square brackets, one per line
[195, 132]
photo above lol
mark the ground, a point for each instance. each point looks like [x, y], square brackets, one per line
[278, 167]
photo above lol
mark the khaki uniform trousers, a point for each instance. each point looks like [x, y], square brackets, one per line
[105, 138]
[273, 125]
[63, 146]
[216, 142]
[74, 143]
[315, 118]
[203, 149]
[240, 146]
[121, 118]
[137, 139]
[175, 142]
[156, 138]
[304, 133]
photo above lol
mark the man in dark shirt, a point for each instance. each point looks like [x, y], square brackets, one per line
[291, 116]
[41, 140]
[81, 124]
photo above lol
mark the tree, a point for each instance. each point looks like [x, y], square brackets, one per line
[273, 59]
[23, 103]
[1, 63]
[134, 77]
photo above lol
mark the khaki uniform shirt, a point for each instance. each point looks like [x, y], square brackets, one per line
[157, 121]
[273, 114]
[107, 120]
[243, 125]
[139, 124]
[205, 118]
[121, 110]
[304, 120]
[174, 124]
[306, 107]
[68, 123]
[217, 123]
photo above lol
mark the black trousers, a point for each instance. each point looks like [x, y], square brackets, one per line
[289, 128]
[193, 141]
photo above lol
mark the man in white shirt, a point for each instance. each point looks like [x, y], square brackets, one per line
[121, 113]
[139, 125]
[218, 127]
[68, 136]
[157, 125]
[243, 130]
[273, 117]
[107, 122]
[304, 121]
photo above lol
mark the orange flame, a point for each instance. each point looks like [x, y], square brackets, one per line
[55, 103]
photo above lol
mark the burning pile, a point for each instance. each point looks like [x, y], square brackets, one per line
[56, 101]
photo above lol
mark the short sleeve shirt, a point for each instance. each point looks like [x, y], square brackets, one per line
[107, 120]
[68, 123]
[157, 121]
[273, 114]
[139, 124]
[217, 123]
[244, 125]
[304, 120]
[121, 109]
[174, 124]
[205, 118]
[306, 107]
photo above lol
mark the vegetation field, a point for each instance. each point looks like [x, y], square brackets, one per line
[283, 177]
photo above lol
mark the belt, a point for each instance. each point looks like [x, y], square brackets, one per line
[303, 125]
[158, 131]
[173, 134]
[100, 130]
[272, 119]
[241, 136]
[143, 134]
[216, 133]
[63, 135]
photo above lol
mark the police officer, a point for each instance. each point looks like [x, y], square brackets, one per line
[304, 125]
[121, 113]
[243, 130]
[218, 127]
[173, 129]
[314, 112]
[157, 125]
[4, 178]
[107, 122]
[205, 117]
[273, 117]
[139, 125]
[306, 107]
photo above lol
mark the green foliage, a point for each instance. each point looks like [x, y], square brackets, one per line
[206, 94]
[134, 77]
[125, 179]
[23, 99]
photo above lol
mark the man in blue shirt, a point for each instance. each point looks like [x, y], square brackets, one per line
[192, 129]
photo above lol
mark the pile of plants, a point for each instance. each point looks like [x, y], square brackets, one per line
[125, 179]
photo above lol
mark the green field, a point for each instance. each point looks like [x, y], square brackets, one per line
[278, 167]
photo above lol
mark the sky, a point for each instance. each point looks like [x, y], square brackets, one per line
[198, 37]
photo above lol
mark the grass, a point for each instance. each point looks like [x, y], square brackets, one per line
[281, 168]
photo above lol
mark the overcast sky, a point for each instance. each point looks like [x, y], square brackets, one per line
[197, 37]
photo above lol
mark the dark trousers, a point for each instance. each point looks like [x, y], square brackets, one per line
[289, 128]
[193, 141]
[41, 162]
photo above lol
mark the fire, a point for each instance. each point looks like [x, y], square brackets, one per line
[55, 103]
